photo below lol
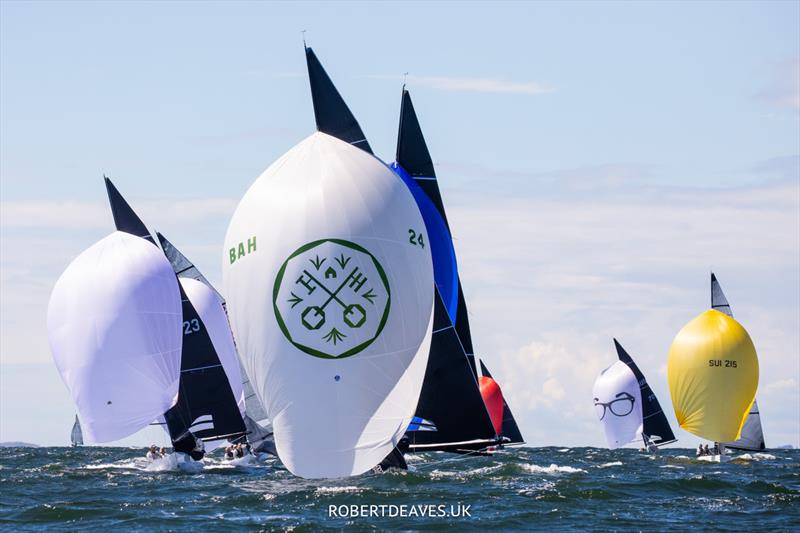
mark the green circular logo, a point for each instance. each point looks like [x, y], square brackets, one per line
[331, 298]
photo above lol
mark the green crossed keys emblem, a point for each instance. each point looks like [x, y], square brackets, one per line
[331, 298]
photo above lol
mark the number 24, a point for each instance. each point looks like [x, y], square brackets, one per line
[415, 239]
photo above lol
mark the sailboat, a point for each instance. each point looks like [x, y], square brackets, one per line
[461, 407]
[627, 406]
[114, 327]
[752, 435]
[206, 408]
[259, 429]
[211, 375]
[712, 370]
[330, 303]
[76, 435]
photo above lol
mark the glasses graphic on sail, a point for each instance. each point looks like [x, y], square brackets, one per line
[622, 406]
[331, 298]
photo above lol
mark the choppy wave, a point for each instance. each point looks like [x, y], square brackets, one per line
[545, 488]
[608, 465]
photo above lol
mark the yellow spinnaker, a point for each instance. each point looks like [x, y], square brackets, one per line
[713, 376]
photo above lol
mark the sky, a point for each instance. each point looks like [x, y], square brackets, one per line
[597, 161]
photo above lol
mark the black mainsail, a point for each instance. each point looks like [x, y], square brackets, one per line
[451, 382]
[205, 398]
[752, 436]
[125, 219]
[414, 157]
[255, 419]
[330, 110]
[655, 426]
[451, 414]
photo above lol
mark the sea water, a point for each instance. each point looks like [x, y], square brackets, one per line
[552, 489]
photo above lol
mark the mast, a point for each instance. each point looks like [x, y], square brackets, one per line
[752, 437]
[656, 427]
[330, 110]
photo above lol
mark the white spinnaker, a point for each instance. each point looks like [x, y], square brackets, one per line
[618, 404]
[339, 383]
[115, 328]
[209, 307]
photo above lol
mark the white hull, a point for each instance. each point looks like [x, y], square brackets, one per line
[714, 458]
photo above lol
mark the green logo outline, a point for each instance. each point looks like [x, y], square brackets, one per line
[312, 351]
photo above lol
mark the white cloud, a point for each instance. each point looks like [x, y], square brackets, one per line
[552, 276]
[553, 265]
[779, 386]
[52, 214]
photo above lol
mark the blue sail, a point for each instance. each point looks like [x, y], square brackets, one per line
[445, 269]
[450, 398]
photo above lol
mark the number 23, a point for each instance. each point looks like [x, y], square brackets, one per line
[190, 326]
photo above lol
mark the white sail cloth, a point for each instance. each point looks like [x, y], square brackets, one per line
[209, 308]
[329, 285]
[618, 404]
[114, 325]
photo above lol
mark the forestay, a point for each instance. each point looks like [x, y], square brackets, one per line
[330, 294]
[114, 325]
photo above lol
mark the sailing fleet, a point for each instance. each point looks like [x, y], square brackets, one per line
[344, 341]
[712, 371]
